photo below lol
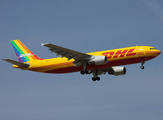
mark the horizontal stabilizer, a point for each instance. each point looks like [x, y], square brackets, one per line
[16, 63]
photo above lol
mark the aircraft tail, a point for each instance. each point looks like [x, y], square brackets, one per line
[22, 52]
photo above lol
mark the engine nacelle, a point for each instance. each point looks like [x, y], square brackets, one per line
[117, 71]
[98, 60]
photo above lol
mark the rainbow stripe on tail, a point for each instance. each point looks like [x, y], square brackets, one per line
[22, 52]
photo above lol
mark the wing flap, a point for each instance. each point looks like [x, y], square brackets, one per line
[16, 63]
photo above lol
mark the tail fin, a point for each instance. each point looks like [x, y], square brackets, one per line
[22, 52]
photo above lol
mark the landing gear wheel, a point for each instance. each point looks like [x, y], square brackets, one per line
[96, 78]
[142, 67]
[142, 63]
[84, 72]
[93, 78]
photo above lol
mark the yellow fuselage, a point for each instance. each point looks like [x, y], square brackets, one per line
[116, 57]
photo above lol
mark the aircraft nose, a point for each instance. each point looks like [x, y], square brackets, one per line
[154, 52]
[158, 52]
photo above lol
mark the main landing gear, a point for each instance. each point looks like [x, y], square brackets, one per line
[96, 78]
[95, 74]
[142, 63]
[84, 71]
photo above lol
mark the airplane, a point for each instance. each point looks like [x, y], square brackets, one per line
[96, 63]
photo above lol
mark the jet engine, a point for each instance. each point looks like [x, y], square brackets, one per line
[117, 71]
[98, 60]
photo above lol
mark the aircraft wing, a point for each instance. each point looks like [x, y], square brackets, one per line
[79, 57]
[16, 63]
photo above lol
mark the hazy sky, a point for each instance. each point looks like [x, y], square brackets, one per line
[85, 26]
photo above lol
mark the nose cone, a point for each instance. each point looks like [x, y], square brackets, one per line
[157, 52]
[153, 52]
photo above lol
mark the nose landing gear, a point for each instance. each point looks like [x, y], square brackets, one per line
[142, 63]
[142, 67]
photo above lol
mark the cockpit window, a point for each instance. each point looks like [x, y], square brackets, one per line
[152, 48]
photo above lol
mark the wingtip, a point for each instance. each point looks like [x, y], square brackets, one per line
[5, 59]
[43, 44]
